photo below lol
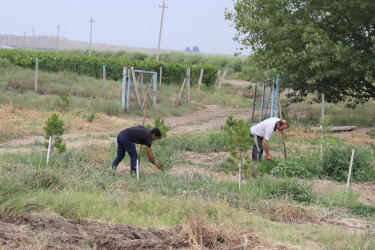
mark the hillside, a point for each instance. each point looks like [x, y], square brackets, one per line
[50, 42]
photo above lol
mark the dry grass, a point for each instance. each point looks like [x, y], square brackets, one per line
[21, 122]
[198, 234]
[301, 132]
[15, 123]
[287, 212]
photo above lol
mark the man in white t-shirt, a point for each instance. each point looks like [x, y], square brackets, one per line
[264, 130]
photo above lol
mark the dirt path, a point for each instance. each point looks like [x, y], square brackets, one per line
[213, 116]
[41, 232]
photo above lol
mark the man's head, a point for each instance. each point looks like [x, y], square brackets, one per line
[281, 125]
[155, 134]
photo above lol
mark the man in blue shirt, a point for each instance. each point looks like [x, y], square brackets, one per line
[126, 141]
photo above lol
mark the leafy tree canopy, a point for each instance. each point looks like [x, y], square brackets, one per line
[318, 46]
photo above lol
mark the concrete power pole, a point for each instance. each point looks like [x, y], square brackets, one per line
[24, 40]
[161, 28]
[34, 39]
[91, 21]
[57, 38]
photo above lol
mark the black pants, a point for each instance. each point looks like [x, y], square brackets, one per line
[125, 145]
[257, 148]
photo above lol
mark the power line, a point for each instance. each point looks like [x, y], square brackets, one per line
[161, 28]
[91, 21]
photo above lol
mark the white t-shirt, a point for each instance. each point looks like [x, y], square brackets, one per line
[266, 128]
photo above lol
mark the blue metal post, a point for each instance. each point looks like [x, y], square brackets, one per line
[155, 79]
[273, 98]
[277, 94]
[261, 108]
[103, 69]
[128, 91]
[254, 103]
[124, 72]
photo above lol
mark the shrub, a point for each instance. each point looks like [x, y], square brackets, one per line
[63, 103]
[371, 133]
[292, 188]
[337, 160]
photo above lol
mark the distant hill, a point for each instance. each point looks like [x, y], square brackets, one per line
[49, 43]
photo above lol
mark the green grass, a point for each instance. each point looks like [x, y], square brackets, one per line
[86, 94]
[77, 184]
[335, 114]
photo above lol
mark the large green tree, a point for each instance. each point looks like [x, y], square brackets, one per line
[318, 46]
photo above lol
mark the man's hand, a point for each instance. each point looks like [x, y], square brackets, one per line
[159, 166]
[268, 157]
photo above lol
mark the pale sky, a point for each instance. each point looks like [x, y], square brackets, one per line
[135, 23]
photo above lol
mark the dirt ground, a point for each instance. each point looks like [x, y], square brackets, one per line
[41, 232]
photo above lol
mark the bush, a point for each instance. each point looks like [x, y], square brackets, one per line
[371, 133]
[293, 189]
[92, 66]
[337, 160]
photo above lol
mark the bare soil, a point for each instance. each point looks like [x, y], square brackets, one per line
[41, 232]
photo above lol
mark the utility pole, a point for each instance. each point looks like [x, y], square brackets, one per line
[24, 40]
[91, 21]
[161, 28]
[57, 40]
[34, 39]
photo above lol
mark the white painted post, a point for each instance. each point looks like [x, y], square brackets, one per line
[36, 75]
[350, 171]
[239, 176]
[200, 79]
[124, 105]
[49, 148]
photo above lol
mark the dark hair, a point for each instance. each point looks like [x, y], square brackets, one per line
[282, 123]
[156, 132]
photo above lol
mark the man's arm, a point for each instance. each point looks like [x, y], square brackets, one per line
[265, 146]
[151, 158]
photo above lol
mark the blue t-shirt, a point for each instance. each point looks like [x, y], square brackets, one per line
[139, 135]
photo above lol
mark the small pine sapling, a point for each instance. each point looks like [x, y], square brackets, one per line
[159, 123]
[63, 103]
[238, 143]
[54, 129]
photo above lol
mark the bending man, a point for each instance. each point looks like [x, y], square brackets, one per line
[126, 143]
[264, 130]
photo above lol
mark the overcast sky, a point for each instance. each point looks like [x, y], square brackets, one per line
[136, 23]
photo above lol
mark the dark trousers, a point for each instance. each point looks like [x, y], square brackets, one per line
[257, 148]
[125, 145]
